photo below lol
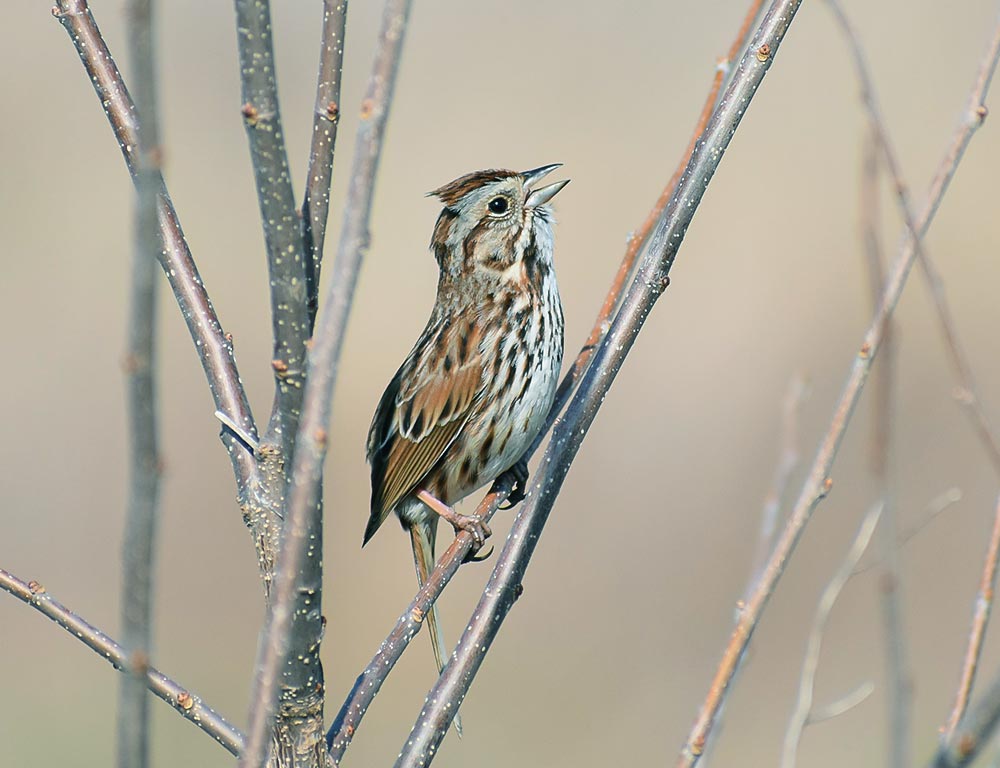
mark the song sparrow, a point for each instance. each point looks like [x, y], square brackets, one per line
[476, 387]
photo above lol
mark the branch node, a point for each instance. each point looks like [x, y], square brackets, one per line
[764, 52]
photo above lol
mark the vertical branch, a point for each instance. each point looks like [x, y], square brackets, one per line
[138, 552]
[214, 346]
[310, 448]
[649, 283]
[898, 694]
[818, 483]
[980, 619]
[973, 733]
[286, 260]
[326, 118]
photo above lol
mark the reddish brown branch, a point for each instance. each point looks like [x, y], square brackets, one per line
[980, 619]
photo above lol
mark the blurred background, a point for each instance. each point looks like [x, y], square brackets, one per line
[631, 595]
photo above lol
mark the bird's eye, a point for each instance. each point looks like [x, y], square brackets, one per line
[498, 205]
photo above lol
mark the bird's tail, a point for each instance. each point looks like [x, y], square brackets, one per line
[422, 537]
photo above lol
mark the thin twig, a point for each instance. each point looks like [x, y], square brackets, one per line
[286, 258]
[802, 715]
[326, 118]
[788, 460]
[310, 447]
[369, 682]
[186, 703]
[967, 394]
[651, 279]
[973, 732]
[980, 619]
[214, 346]
[818, 483]
[138, 550]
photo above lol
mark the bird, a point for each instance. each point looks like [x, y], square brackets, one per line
[475, 390]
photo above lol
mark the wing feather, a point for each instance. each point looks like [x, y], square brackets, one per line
[422, 412]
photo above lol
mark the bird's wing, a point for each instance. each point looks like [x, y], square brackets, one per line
[422, 411]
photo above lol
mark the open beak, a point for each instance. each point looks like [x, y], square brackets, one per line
[541, 196]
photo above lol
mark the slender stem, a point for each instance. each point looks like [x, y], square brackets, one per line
[788, 460]
[189, 705]
[324, 356]
[138, 551]
[326, 118]
[980, 620]
[818, 483]
[649, 283]
[369, 682]
[214, 346]
[802, 715]
[286, 259]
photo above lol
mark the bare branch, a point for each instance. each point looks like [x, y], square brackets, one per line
[214, 346]
[310, 448]
[186, 703]
[138, 551]
[802, 715]
[286, 260]
[369, 682]
[326, 118]
[980, 619]
[649, 283]
[967, 394]
[818, 483]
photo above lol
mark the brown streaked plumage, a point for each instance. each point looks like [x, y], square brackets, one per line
[476, 387]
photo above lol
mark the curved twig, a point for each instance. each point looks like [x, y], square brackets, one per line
[803, 715]
[818, 483]
[310, 446]
[214, 346]
[649, 283]
[190, 706]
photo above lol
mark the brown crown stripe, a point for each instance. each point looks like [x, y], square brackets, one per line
[455, 190]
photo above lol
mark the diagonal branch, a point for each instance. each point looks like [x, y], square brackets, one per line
[286, 260]
[310, 447]
[214, 346]
[369, 682]
[649, 283]
[973, 732]
[190, 706]
[818, 483]
[326, 118]
[138, 551]
[980, 619]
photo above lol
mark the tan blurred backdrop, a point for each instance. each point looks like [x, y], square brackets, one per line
[630, 597]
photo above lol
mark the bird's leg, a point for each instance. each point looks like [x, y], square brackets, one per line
[479, 530]
[519, 472]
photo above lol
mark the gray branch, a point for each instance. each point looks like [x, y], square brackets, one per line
[326, 118]
[189, 705]
[651, 279]
[214, 346]
[286, 261]
[973, 732]
[138, 552]
[298, 540]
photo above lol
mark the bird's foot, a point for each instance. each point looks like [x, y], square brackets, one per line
[519, 474]
[478, 528]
